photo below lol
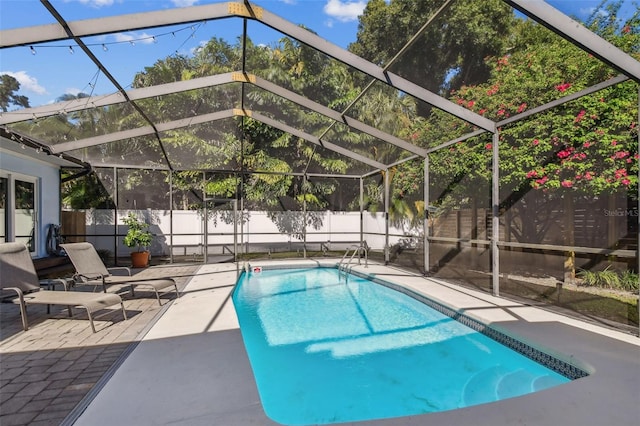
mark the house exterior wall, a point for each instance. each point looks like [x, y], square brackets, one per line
[47, 191]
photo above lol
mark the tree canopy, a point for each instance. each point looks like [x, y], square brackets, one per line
[9, 87]
[453, 48]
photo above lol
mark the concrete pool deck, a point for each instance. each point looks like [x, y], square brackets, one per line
[189, 365]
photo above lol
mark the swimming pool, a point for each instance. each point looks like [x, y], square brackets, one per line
[325, 349]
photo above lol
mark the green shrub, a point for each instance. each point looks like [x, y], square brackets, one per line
[609, 278]
[105, 255]
[629, 280]
[589, 278]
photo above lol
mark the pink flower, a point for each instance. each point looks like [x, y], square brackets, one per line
[532, 174]
[470, 104]
[564, 153]
[620, 154]
[563, 87]
[588, 176]
[542, 180]
[482, 111]
[500, 112]
[488, 146]
[620, 173]
[587, 144]
[567, 183]
[522, 107]
[535, 142]
[625, 182]
[579, 116]
[579, 156]
[493, 90]
[614, 142]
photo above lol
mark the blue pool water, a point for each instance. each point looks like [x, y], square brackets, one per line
[327, 351]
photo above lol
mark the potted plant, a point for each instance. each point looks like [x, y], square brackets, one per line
[139, 237]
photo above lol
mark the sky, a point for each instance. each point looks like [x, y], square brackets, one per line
[48, 71]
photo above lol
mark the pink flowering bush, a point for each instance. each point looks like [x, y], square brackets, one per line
[588, 145]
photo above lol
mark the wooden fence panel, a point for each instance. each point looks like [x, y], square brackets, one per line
[74, 226]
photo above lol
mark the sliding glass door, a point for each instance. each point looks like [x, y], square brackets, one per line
[25, 213]
[18, 209]
[4, 196]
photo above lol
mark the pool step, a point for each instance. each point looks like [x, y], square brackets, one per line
[497, 383]
[544, 382]
[519, 382]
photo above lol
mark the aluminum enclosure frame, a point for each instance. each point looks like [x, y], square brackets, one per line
[537, 10]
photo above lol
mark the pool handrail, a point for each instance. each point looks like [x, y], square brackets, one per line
[357, 249]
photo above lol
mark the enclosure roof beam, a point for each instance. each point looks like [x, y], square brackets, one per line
[579, 35]
[227, 171]
[456, 140]
[115, 98]
[315, 140]
[563, 100]
[141, 131]
[114, 24]
[335, 115]
[155, 168]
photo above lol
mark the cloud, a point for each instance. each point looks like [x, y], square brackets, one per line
[201, 44]
[344, 11]
[142, 38]
[27, 83]
[72, 91]
[95, 3]
[586, 13]
[184, 3]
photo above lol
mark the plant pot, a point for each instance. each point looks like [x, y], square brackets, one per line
[140, 259]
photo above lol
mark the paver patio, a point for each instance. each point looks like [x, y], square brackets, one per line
[47, 370]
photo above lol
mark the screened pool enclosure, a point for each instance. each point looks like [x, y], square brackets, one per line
[438, 143]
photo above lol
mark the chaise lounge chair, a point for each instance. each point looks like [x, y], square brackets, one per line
[91, 270]
[18, 274]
